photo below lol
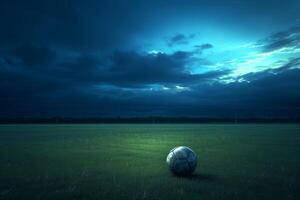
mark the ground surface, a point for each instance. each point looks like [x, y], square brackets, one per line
[128, 162]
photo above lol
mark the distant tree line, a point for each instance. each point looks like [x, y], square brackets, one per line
[141, 120]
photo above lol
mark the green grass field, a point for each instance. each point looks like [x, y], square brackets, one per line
[128, 162]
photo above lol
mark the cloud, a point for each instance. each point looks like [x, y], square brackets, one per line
[269, 96]
[35, 70]
[62, 58]
[283, 39]
[179, 39]
[86, 86]
[293, 63]
[266, 95]
[77, 25]
[204, 46]
[33, 55]
[133, 69]
[121, 85]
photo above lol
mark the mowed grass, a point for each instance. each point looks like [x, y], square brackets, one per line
[128, 161]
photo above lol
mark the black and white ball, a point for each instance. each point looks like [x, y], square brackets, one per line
[182, 161]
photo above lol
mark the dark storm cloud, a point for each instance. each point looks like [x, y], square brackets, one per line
[288, 38]
[60, 57]
[130, 68]
[85, 69]
[27, 73]
[266, 95]
[69, 24]
[22, 91]
[69, 94]
[270, 96]
[105, 25]
[33, 55]
[40, 70]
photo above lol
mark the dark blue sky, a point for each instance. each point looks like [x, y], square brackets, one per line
[138, 58]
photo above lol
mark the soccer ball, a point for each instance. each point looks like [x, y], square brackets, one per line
[182, 161]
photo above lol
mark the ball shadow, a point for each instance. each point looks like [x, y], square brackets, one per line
[201, 177]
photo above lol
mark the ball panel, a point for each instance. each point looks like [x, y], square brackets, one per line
[171, 159]
[180, 153]
[181, 167]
